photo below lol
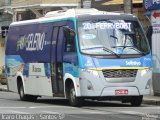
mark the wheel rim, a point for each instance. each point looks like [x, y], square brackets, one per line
[72, 95]
[21, 92]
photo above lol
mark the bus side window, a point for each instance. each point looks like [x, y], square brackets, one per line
[69, 43]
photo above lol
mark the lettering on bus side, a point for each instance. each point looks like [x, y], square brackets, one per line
[133, 63]
[32, 42]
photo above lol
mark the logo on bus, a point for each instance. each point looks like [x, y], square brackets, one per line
[133, 63]
[36, 69]
[31, 42]
[88, 63]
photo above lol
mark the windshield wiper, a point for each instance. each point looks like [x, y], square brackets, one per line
[110, 51]
[112, 36]
[132, 47]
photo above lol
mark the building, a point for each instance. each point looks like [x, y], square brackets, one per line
[5, 20]
[31, 9]
[153, 12]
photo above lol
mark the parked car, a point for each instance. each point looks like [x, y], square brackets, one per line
[3, 79]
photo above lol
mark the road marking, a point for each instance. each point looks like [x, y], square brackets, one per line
[34, 107]
[96, 112]
[81, 117]
[50, 112]
[122, 111]
[151, 107]
[131, 112]
[12, 107]
[18, 112]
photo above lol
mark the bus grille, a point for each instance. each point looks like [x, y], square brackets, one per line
[119, 73]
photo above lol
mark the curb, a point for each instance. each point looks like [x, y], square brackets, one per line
[151, 102]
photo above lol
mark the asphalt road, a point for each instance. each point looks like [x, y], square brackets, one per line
[11, 108]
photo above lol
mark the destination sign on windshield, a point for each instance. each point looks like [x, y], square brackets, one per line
[105, 25]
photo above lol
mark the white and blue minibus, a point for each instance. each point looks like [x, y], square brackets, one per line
[79, 54]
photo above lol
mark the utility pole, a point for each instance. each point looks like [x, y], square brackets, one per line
[86, 3]
[128, 6]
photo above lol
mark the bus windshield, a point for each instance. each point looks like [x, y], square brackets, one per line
[108, 37]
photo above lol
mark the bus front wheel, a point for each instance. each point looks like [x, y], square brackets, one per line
[136, 100]
[74, 101]
[22, 95]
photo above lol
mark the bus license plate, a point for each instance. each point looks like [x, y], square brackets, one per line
[121, 92]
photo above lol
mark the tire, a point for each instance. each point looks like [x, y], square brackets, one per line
[21, 92]
[24, 97]
[3, 82]
[73, 100]
[136, 100]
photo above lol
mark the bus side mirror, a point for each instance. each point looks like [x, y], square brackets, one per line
[70, 36]
[69, 31]
[149, 32]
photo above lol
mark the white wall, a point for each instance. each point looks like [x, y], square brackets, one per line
[2, 53]
[155, 19]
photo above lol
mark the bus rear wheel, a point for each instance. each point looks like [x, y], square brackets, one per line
[73, 100]
[24, 97]
[136, 100]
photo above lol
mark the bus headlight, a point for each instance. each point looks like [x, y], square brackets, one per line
[92, 72]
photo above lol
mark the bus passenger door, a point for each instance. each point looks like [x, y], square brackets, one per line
[57, 62]
[53, 59]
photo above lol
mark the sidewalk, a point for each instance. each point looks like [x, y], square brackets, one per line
[150, 100]
[3, 87]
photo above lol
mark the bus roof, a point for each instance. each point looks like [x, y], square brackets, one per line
[62, 14]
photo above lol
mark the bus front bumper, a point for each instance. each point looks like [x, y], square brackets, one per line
[120, 91]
